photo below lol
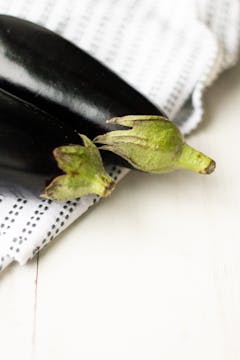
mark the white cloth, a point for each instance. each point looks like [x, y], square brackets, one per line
[169, 50]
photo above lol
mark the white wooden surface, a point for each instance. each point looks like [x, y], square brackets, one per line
[151, 273]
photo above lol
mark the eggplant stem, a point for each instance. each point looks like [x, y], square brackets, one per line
[84, 173]
[195, 161]
[153, 144]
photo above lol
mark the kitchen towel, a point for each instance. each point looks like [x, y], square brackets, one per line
[168, 50]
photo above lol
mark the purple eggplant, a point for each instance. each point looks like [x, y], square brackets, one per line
[28, 137]
[51, 91]
[42, 68]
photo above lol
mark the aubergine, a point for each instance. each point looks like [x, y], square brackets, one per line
[50, 92]
[41, 154]
[44, 69]
[28, 137]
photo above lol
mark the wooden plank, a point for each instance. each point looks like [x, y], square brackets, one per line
[17, 299]
[153, 272]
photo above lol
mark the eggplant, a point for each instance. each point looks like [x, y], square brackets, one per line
[28, 137]
[50, 92]
[42, 68]
[31, 141]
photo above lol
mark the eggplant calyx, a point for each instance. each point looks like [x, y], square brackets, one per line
[153, 144]
[84, 173]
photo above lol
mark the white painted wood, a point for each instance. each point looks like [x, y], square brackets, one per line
[154, 271]
[151, 273]
[17, 302]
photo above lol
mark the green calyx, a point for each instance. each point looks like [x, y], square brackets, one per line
[153, 144]
[84, 173]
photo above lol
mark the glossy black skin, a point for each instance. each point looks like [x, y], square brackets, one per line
[45, 70]
[42, 68]
[27, 139]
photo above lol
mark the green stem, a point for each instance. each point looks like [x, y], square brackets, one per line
[196, 161]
